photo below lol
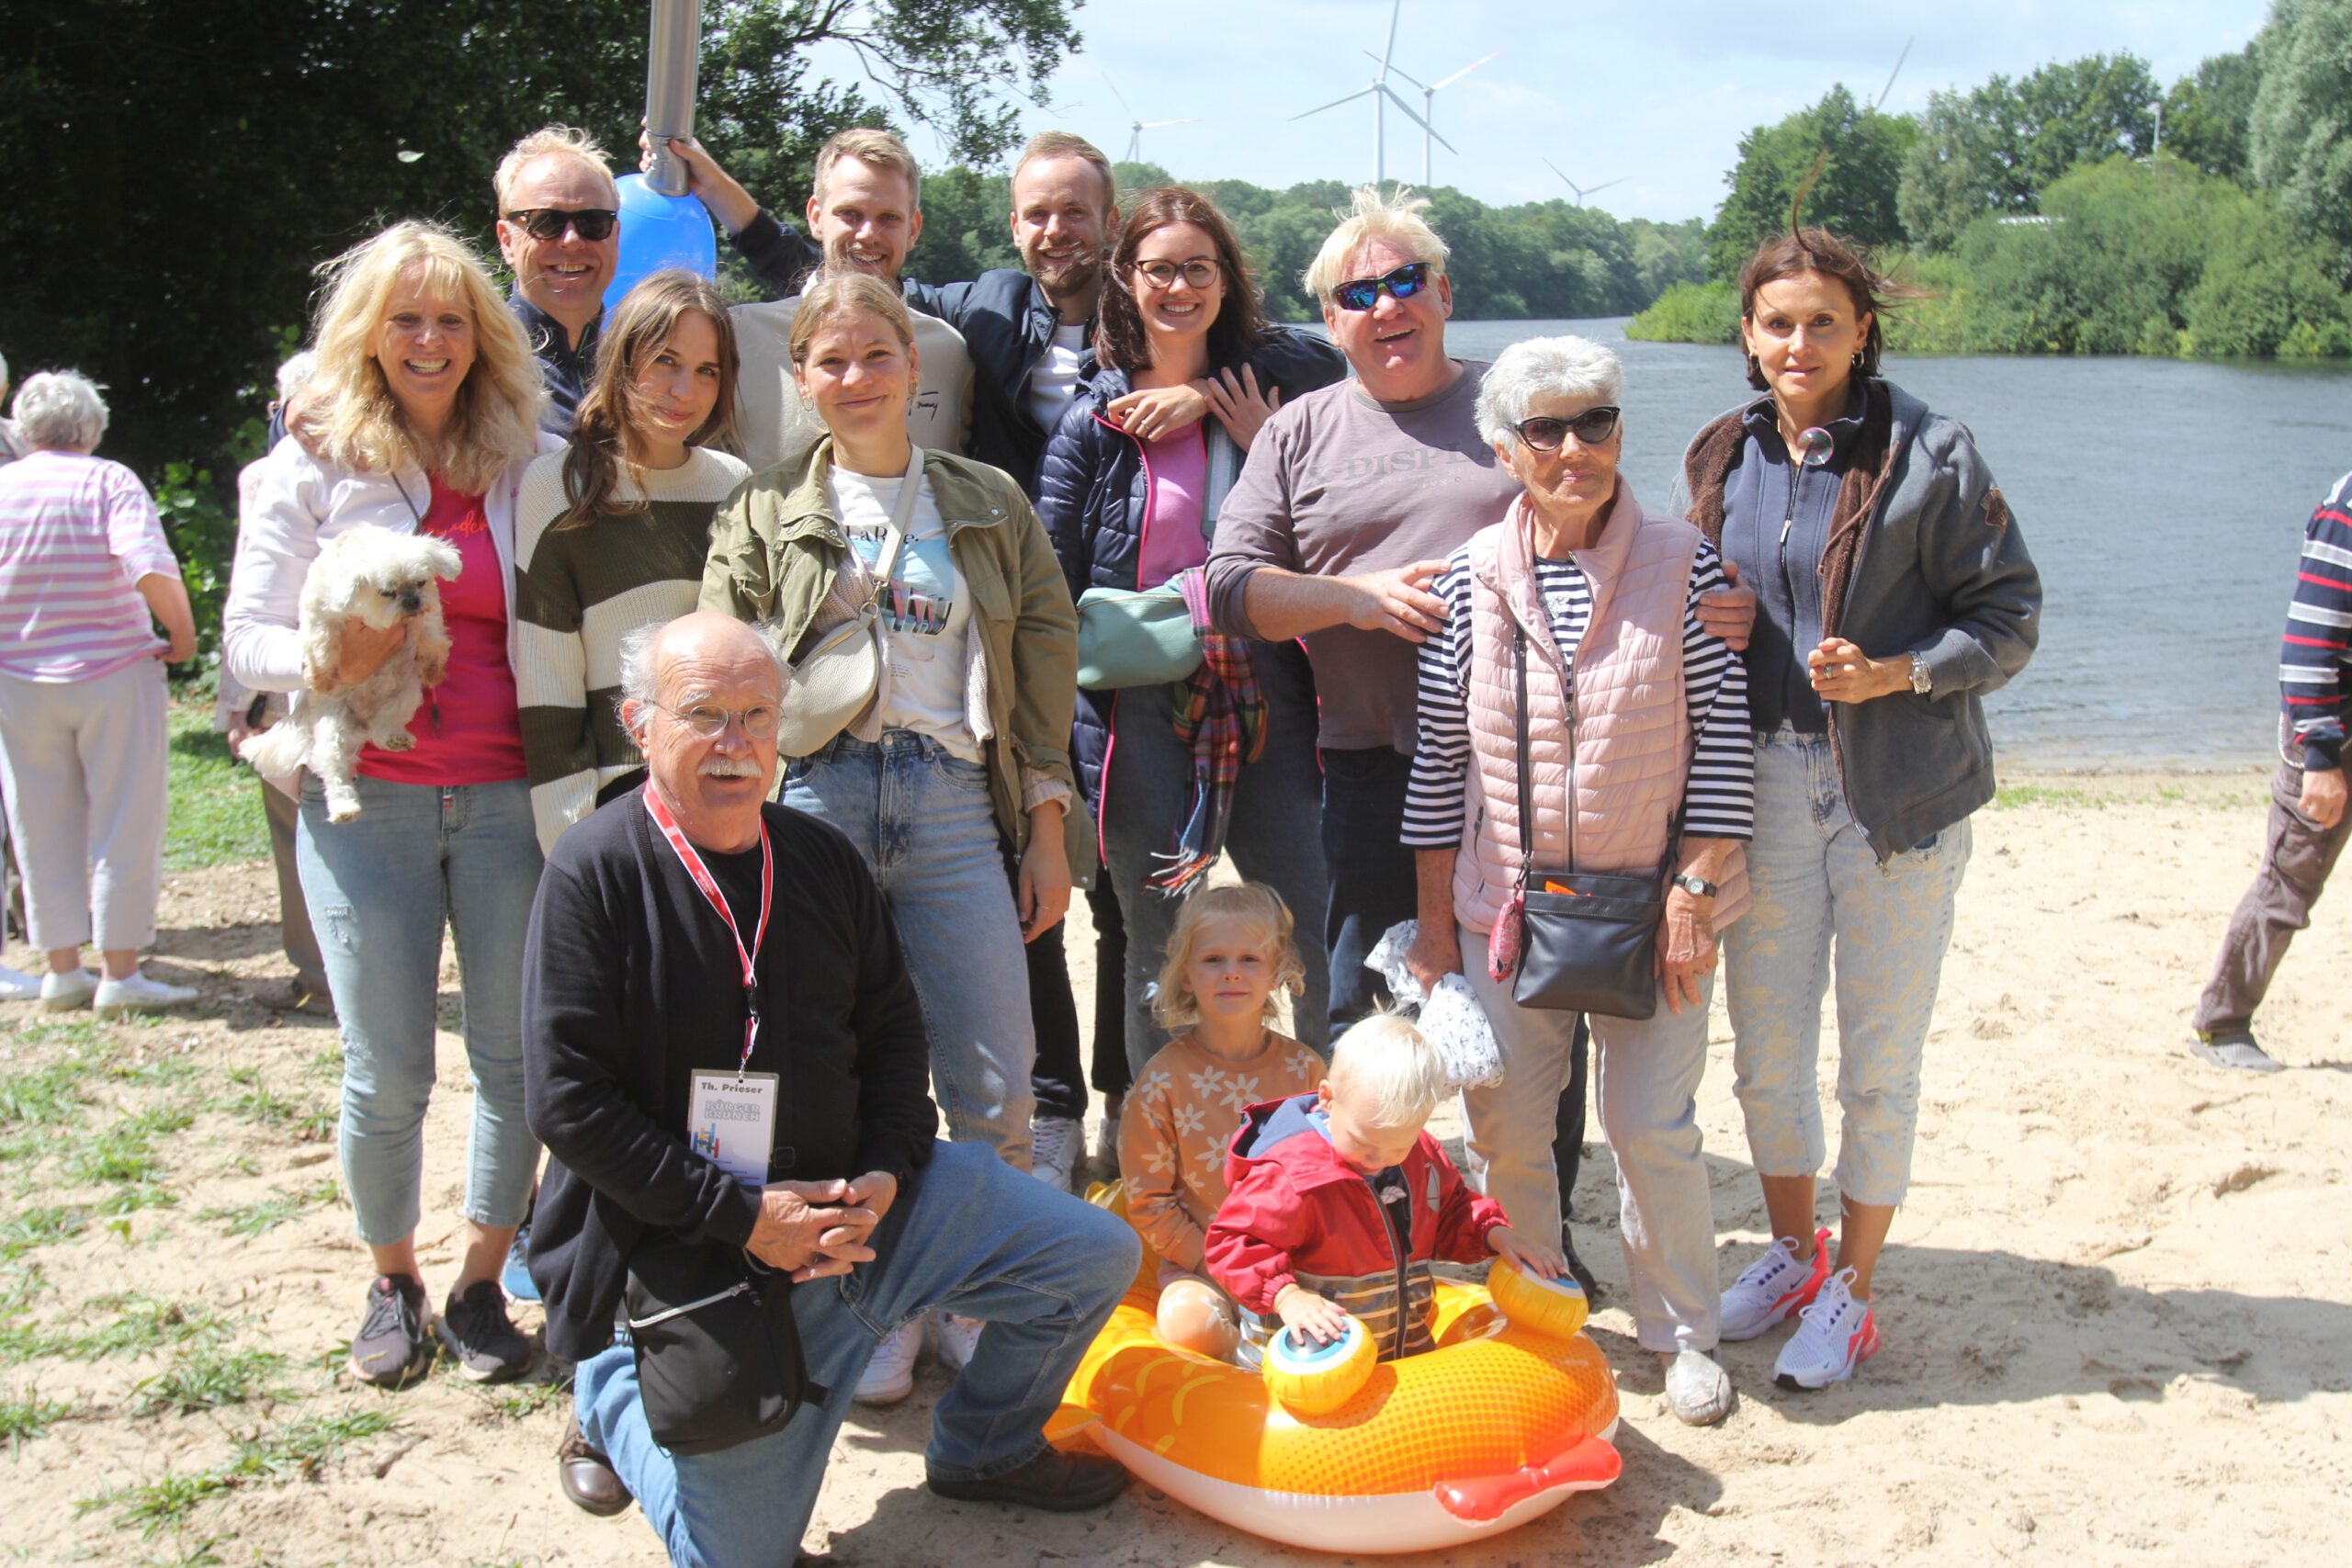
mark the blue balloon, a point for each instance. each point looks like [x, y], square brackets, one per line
[659, 231]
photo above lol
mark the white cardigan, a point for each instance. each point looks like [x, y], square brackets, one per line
[292, 505]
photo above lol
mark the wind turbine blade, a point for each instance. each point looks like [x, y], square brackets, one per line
[1157, 124]
[1400, 71]
[1407, 109]
[1897, 71]
[1390, 52]
[1457, 77]
[1618, 181]
[1114, 91]
[1335, 103]
[1561, 172]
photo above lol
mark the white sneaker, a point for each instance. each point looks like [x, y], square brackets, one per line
[1773, 1286]
[889, 1377]
[1055, 1142]
[1697, 1388]
[1106, 1137]
[16, 986]
[956, 1338]
[63, 993]
[136, 992]
[1837, 1332]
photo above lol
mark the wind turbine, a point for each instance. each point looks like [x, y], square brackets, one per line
[1428, 106]
[1381, 96]
[1135, 130]
[1583, 191]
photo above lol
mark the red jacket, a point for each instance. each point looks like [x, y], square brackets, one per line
[1293, 1206]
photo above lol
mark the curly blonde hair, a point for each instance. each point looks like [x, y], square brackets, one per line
[353, 420]
[1255, 905]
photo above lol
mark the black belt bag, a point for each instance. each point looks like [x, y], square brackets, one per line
[718, 1353]
[1588, 941]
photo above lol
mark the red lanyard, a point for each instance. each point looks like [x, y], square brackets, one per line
[718, 900]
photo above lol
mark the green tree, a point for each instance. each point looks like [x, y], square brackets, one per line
[1855, 194]
[2299, 134]
[2206, 114]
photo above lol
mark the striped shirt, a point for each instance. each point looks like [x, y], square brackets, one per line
[2317, 651]
[1719, 799]
[76, 534]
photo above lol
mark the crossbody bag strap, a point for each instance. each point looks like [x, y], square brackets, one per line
[902, 515]
[1519, 721]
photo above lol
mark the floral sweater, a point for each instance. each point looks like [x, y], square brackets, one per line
[1180, 1117]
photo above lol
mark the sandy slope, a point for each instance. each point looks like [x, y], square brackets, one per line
[2118, 1314]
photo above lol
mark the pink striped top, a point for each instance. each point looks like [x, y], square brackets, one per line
[76, 534]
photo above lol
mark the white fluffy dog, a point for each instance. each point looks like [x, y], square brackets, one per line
[379, 579]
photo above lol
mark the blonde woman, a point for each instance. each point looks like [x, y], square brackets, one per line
[421, 419]
[612, 531]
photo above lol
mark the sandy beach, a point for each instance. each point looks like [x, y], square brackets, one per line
[2117, 1311]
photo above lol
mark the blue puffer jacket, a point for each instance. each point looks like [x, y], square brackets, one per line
[1094, 492]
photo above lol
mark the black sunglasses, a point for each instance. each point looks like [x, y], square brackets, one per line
[1362, 293]
[1592, 428]
[594, 223]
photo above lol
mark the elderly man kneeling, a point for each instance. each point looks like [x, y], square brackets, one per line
[727, 1065]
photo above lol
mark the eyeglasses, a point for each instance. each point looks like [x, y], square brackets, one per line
[710, 721]
[591, 223]
[1362, 293]
[1592, 428]
[1200, 272]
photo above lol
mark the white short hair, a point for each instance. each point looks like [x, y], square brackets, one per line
[642, 683]
[296, 373]
[556, 141]
[1572, 367]
[4, 372]
[1395, 1064]
[61, 409]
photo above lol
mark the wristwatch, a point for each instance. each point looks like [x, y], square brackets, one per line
[1921, 680]
[1697, 886]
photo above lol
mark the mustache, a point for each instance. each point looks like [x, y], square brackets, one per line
[732, 768]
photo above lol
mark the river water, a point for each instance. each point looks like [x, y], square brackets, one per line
[2164, 501]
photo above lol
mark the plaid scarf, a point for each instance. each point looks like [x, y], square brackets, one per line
[1222, 715]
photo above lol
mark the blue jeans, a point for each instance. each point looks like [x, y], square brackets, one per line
[1041, 1269]
[922, 818]
[380, 888]
[1372, 886]
[1270, 834]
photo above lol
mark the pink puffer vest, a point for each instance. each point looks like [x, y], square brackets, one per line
[1633, 740]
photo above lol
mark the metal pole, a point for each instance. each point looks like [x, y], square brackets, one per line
[1379, 140]
[672, 53]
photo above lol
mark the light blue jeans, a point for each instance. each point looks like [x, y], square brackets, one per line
[1041, 1269]
[1819, 894]
[380, 888]
[921, 816]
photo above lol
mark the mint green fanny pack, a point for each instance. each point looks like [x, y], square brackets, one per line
[1127, 638]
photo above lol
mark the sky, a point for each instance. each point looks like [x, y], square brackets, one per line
[1655, 95]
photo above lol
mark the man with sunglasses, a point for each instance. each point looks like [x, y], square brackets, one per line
[558, 228]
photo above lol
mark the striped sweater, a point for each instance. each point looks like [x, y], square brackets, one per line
[2315, 658]
[76, 534]
[577, 592]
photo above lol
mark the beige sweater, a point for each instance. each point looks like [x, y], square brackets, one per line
[778, 427]
[1180, 1117]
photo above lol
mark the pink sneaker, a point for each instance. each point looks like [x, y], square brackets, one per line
[1774, 1286]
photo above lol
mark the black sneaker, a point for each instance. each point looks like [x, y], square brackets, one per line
[1055, 1482]
[487, 1348]
[391, 1348]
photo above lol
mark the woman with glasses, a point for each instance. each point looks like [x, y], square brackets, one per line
[1223, 759]
[1896, 591]
[961, 753]
[1576, 714]
[613, 532]
[419, 418]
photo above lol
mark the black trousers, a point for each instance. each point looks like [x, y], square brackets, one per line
[1059, 1079]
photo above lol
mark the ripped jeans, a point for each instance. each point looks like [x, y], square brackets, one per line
[380, 888]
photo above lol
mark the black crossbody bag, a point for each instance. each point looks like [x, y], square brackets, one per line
[718, 1353]
[1592, 947]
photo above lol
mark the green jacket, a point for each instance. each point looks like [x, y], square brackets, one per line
[775, 548]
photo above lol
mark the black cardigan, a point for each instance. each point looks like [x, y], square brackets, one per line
[631, 983]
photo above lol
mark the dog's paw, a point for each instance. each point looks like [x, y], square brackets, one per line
[342, 811]
[399, 741]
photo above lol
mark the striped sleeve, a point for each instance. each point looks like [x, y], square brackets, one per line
[2318, 644]
[134, 533]
[1435, 803]
[1719, 799]
[551, 659]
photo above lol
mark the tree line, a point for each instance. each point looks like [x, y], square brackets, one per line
[2081, 208]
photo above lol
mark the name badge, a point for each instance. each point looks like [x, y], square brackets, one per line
[731, 1121]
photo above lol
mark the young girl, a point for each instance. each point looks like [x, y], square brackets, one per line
[1231, 954]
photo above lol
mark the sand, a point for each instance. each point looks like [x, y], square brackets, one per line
[2117, 1311]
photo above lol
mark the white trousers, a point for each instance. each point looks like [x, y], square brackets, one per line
[84, 762]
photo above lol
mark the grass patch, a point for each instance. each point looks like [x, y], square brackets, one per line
[44, 1096]
[209, 1379]
[216, 814]
[24, 1415]
[293, 1452]
[260, 1105]
[520, 1401]
[2011, 797]
[20, 1233]
[141, 1325]
[125, 1152]
[265, 1213]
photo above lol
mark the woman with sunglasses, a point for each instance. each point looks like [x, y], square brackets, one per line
[420, 419]
[1897, 591]
[1576, 714]
[1225, 759]
[613, 532]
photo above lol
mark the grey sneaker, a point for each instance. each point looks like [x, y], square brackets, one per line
[391, 1348]
[1055, 1141]
[486, 1344]
[2234, 1048]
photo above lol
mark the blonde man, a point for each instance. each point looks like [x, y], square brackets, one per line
[558, 228]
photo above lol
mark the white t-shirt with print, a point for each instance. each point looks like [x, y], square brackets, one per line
[926, 614]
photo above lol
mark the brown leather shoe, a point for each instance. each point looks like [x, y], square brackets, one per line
[587, 1478]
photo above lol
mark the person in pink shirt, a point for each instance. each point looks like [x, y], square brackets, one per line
[421, 418]
[84, 575]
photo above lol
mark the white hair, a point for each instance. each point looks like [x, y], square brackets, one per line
[642, 683]
[61, 409]
[296, 373]
[1372, 215]
[1395, 1065]
[4, 372]
[1572, 367]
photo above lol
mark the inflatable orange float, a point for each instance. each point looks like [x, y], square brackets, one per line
[1512, 1412]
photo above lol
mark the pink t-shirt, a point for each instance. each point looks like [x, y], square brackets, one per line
[468, 729]
[1171, 529]
[76, 534]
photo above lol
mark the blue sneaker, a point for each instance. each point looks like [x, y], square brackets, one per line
[516, 1276]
